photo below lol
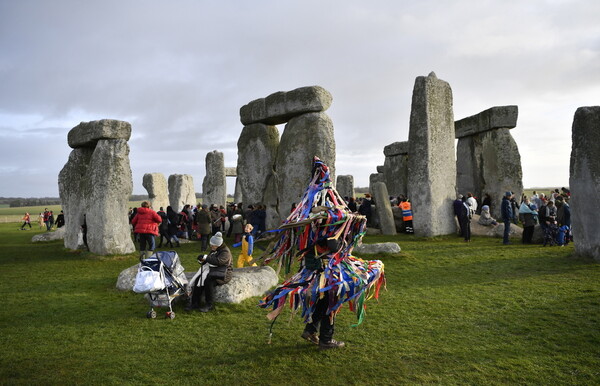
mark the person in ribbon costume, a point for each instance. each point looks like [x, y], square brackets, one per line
[321, 232]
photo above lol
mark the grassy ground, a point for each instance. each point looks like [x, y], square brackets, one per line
[453, 313]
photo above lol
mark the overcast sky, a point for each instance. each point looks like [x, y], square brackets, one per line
[179, 71]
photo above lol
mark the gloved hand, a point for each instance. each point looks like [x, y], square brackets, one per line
[201, 259]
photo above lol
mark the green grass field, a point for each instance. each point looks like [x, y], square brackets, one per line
[453, 313]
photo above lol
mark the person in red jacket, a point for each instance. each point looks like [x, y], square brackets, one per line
[145, 224]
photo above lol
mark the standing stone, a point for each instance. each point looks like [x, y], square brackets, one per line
[375, 178]
[181, 191]
[96, 183]
[158, 192]
[395, 168]
[257, 151]
[384, 209]
[345, 186]
[304, 137]
[237, 194]
[110, 175]
[488, 159]
[431, 160]
[214, 186]
[584, 181]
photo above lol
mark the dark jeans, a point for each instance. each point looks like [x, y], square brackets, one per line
[146, 238]
[528, 234]
[165, 234]
[204, 239]
[321, 321]
[506, 231]
[209, 291]
[26, 223]
[465, 228]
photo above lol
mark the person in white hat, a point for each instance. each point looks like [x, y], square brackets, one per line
[220, 267]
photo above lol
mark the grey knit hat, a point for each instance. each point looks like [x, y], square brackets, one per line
[217, 239]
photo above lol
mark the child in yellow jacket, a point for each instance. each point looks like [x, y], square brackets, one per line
[247, 244]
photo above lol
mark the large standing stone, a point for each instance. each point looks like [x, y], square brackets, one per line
[375, 178]
[395, 168]
[431, 160]
[281, 106]
[345, 186]
[488, 159]
[158, 192]
[384, 209]
[96, 183]
[304, 137]
[584, 181]
[181, 191]
[257, 151]
[214, 186]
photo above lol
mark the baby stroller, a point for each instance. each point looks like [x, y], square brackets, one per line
[162, 278]
[550, 233]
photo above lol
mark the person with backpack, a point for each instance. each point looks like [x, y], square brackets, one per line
[163, 228]
[172, 221]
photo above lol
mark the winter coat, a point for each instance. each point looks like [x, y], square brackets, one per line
[146, 221]
[204, 222]
[222, 260]
[237, 223]
[486, 218]
[506, 209]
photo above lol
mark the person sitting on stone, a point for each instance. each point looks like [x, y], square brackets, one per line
[145, 224]
[216, 269]
[486, 218]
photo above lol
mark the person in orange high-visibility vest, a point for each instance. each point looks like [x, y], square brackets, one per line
[407, 215]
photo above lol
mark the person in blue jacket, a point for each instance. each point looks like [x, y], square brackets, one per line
[507, 215]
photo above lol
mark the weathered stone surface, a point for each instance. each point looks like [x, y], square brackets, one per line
[379, 168]
[395, 174]
[58, 234]
[431, 160]
[74, 187]
[371, 249]
[108, 229]
[214, 186]
[87, 134]
[245, 283]
[584, 181]
[181, 191]
[158, 192]
[488, 159]
[281, 106]
[345, 186]
[231, 172]
[396, 148]
[126, 279]
[374, 178]
[384, 209]
[96, 183]
[496, 231]
[257, 151]
[493, 118]
[490, 163]
[237, 194]
[304, 137]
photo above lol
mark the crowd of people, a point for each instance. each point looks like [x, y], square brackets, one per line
[45, 220]
[552, 212]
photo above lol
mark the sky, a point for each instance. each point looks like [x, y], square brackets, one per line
[179, 71]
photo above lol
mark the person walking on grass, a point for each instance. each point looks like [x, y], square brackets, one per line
[26, 221]
[145, 224]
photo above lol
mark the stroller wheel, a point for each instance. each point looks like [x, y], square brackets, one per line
[151, 314]
[170, 315]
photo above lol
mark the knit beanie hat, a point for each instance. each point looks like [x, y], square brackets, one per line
[217, 239]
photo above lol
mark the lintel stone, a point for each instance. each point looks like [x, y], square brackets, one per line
[396, 148]
[493, 118]
[87, 134]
